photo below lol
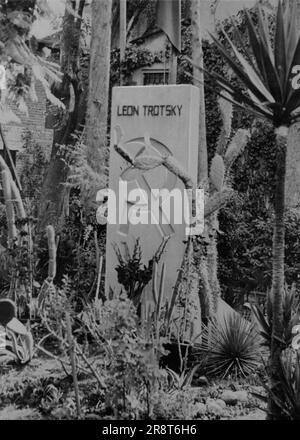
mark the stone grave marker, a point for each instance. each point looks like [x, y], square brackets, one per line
[168, 116]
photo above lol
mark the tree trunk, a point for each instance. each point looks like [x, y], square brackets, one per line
[212, 261]
[274, 412]
[203, 286]
[97, 110]
[205, 291]
[54, 195]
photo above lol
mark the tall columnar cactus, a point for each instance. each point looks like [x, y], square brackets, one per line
[16, 196]
[47, 285]
[52, 253]
[10, 215]
[17, 199]
[227, 152]
[15, 209]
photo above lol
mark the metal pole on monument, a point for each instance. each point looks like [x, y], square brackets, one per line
[123, 36]
[168, 19]
[173, 67]
[197, 55]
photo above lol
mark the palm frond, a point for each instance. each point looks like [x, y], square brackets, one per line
[265, 71]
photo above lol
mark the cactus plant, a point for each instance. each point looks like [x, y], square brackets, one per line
[217, 172]
[221, 164]
[48, 283]
[52, 253]
[10, 214]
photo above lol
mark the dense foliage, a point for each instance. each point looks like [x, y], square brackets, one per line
[246, 245]
[245, 235]
[245, 238]
[19, 55]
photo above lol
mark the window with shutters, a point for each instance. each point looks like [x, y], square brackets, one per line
[155, 77]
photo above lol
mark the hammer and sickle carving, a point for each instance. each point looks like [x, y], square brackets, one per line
[159, 178]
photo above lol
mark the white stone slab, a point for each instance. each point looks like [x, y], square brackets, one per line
[169, 115]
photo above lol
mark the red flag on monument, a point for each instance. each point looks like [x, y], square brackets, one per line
[168, 19]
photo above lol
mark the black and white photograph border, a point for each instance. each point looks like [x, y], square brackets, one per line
[149, 214]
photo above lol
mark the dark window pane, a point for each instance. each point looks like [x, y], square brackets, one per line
[155, 78]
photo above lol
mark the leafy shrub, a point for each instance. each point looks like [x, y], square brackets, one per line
[183, 380]
[231, 347]
[245, 245]
[289, 375]
[33, 162]
[291, 309]
[173, 406]
[79, 241]
[11, 412]
[129, 363]
[132, 274]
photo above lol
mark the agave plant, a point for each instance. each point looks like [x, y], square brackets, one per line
[290, 318]
[266, 71]
[289, 375]
[231, 347]
[184, 379]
